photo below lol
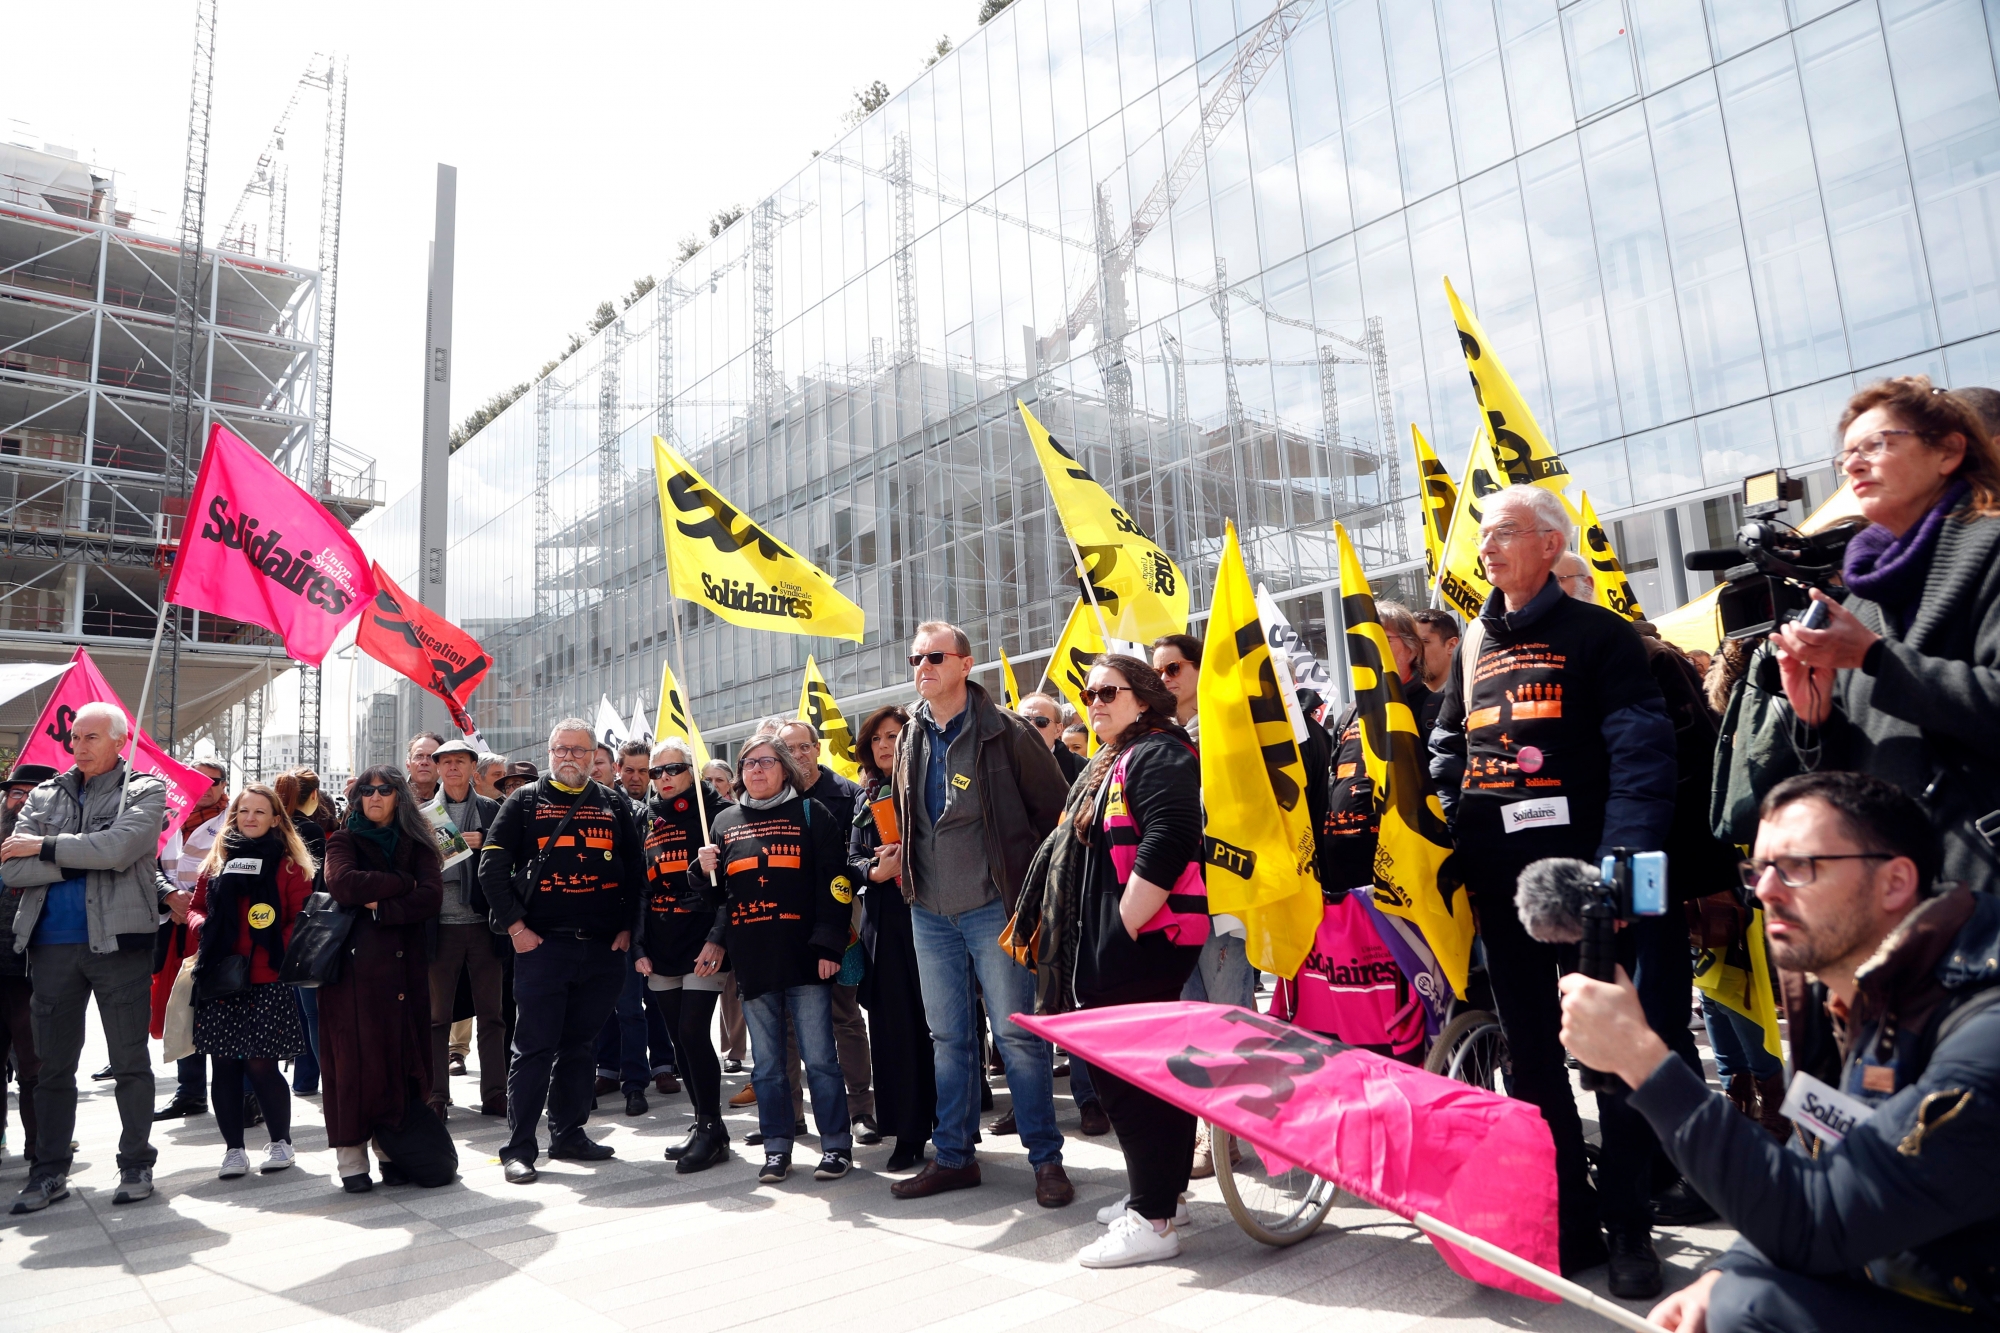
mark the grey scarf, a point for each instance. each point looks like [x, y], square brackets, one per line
[768, 802]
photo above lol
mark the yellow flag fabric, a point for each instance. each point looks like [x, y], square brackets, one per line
[836, 739]
[1411, 848]
[1461, 578]
[1009, 687]
[674, 719]
[1740, 979]
[1260, 844]
[1440, 499]
[1518, 442]
[721, 559]
[1614, 590]
[1138, 587]
[1069, 665]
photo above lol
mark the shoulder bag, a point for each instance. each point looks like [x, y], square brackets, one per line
[312, 959]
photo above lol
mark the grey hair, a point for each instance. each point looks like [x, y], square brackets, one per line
[1397, 620]
[1046, 698]
[797, 722]
[571, 724]
[98, 708]
[795, 772]
[959, 642]
[490, 758]
[1544, 504]
[678, 746]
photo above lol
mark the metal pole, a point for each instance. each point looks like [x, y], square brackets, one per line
[1541, 1277]
[145, 689]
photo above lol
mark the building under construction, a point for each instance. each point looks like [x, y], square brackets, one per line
[118, 350]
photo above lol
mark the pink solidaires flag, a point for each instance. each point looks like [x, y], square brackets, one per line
[49, 743]
[1388, 1133]
[257, 548]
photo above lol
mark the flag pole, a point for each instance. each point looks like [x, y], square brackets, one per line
[1089, 589]
[687, 708]
[1444, 552]
[1535, 1273]
[145, 693]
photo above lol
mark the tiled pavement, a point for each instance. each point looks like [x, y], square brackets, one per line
[628, 1245]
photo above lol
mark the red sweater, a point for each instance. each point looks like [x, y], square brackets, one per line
[294, 887]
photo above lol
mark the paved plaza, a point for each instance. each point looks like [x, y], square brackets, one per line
[630, 1245]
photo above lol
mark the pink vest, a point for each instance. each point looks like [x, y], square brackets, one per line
[1184, 916]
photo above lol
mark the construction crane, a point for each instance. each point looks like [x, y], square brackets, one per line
[330, 75]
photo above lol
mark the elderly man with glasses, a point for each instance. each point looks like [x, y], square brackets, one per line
[1553, 740]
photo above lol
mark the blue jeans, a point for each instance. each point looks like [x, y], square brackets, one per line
[191, 1079]
[632, 1028]
[1224, 974]
[305, 1065]
[1738, 1043]
[811, 1008]
[945, 946]
[1081, 1089]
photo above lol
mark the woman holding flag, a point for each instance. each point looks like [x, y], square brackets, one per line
[1142, 919]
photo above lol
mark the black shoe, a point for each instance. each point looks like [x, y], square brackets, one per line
[361, 1184]
[635, 1103]
[103, 1074]
[393, 1174]
[517, 1172]
[579, 1148]
[1002, 1127]
[458, 1066]
[1581, 1249]
[777, 1166]
[178, 1109]
[709, 1146]
[732, 1066]
[39, 1193]
[866, 1130]
[676, 1151]
[906, 1156]
[253, 1114]
[1681, 1206]
[832, 1166]
[1635, 1265]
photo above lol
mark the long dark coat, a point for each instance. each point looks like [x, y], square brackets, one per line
[375, 1022]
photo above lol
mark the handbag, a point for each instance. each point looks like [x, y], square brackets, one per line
[312, 959]
[177, 1022]
[223, 977]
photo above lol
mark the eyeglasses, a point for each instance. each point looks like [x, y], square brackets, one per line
[669, 770]
[1104, 694]
[570, 751]
[373, 789]
[1039, 722]
[1869, 447]
[1795, 872]
[1173, 669]
[1506, 532]
[918, 659]
[760, 761]
[804, 748]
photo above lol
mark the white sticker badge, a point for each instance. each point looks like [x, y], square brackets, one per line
[243, 865]
[1541, 812]
[1822, 1111]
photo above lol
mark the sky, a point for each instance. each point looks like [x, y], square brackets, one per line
[589, 137]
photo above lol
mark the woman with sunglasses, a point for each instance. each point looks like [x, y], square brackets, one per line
[677, 947]
[1142, 917]
[1903, 680]
[246, 898]
[787, 895]
[375, 1018]
[899, 1038]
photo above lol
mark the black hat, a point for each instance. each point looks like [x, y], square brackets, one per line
[521, 770]
[29, 775]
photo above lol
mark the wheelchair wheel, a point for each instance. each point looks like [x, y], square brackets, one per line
[1471, 1049]
[1280, 1209]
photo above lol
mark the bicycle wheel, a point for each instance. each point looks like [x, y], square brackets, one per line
[1281, 1209]
[1471, 1049]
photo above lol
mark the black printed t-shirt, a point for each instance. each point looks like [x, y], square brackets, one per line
[677, 911]
[1537, 771]
[789, 894]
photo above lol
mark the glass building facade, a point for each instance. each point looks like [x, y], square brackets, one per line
[1204, 240]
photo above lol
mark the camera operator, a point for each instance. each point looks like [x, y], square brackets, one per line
[1552, 740]
[1896, 1225]
[1904, 680]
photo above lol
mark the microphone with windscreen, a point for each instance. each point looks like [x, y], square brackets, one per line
[1561, 900]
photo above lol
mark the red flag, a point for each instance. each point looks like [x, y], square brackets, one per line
[404, 635]
[49, 742]
[1386, 1132]
[266, 552]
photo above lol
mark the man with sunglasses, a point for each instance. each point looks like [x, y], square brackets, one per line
[976, 791]
[1044, 714]
[1883, 1212]
[464, 943]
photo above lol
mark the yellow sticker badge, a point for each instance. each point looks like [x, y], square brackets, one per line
[262, 915]
[960, 781]
[843, 889]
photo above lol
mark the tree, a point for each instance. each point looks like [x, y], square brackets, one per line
[988, 8]
[484, 414]
[640, 286]
[867, 101]
[938, 52]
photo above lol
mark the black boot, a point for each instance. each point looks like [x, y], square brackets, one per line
[710, 1146]
[1635, 1264]
[676, 1151]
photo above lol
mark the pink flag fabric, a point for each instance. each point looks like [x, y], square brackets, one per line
[49, 742]
[1385, 1132]
[257, 548]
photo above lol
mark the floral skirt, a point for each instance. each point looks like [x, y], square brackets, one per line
[261, 1023]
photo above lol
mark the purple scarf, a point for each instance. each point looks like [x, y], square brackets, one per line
[1889, 570]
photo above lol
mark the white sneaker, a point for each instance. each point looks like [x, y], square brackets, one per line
[1111, 1212]
[278, 1156]
[1131, 1240]
[235, 1162]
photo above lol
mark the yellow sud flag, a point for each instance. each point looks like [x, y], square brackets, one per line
[836, 741]
[1009, 687]
[1412, 845]
[1069, 665]
[1140, 590]
[1260, 843]
[674, 719]
[1614, 590]
[1739, 978]
[718, 557]
[1461, 578]
[1440, 499]
[1518, 442]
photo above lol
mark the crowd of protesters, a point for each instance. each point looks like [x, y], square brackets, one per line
[609, 915]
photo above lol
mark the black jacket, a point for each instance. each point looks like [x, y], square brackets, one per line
[836, 793]
[788, 892]
[677, 913]
[1163, 794]
[591, 878]
[1911, 1197]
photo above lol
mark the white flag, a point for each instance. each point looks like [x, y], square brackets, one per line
[640, 729]
[610, 730]
[1293, 662]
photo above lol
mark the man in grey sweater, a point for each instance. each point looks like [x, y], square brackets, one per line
[465, 942]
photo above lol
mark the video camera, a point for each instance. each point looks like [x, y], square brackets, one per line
[1770, 572]
[1561, 900]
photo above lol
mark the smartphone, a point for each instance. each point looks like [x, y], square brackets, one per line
[1817, 615]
